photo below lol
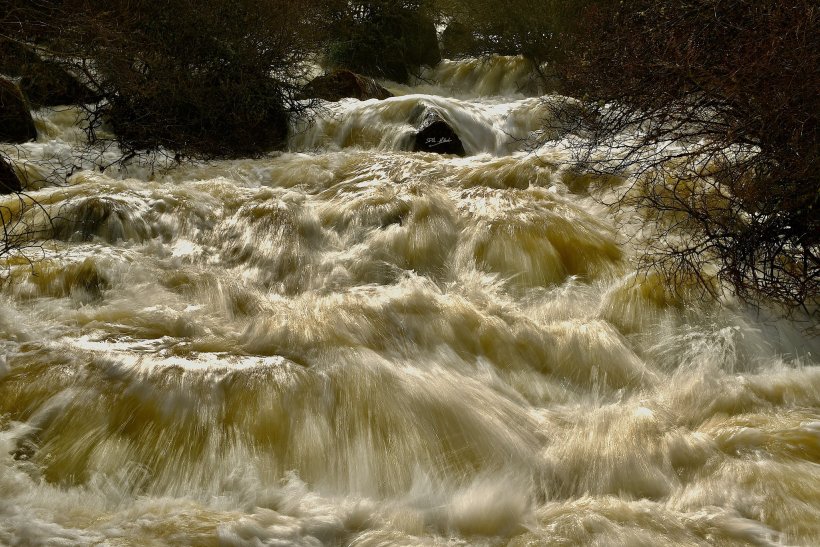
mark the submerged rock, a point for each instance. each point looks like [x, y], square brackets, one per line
[436, 135]
[9, 183]
[16, 123]
[102, 218]
[48, 84]
[340, 84]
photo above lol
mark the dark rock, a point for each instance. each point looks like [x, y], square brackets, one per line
[48, 84]
[458, 40]
[44, 83]
[422, 42]
[15, 58]
[391, 43]
[16, 123]
[343, 83]
[205, 120]
[102, 218]
[436, 135]
[9, 183]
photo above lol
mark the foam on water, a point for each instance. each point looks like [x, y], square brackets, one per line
[350, 343]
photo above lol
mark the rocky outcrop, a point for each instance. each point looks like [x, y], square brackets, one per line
[48, 84]
[340, 84]
[9, 183]
[16, 123]
[436, 135]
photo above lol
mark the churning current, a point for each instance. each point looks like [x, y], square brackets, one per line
[353, 344]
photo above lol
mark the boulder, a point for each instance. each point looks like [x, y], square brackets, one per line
[16, 123]
[458, 40]
[422, 42]
[436, 135]
[9, 183]
[391, 42]
[343, 83]
[44, 83]
[15, 58]
[204, 119]
[48, 84]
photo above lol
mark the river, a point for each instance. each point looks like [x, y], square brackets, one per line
[353, 344]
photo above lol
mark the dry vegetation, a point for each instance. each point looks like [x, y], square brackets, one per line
[711, 104]
[714, 105]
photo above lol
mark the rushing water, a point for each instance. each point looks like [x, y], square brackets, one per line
[353, 344]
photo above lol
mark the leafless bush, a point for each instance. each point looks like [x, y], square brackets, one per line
[19, 241]
[712, 106]
[169, 80]
[199, 79]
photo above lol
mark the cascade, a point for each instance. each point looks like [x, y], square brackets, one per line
[352, 343]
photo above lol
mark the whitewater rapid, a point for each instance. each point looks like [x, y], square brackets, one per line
[350, 343]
